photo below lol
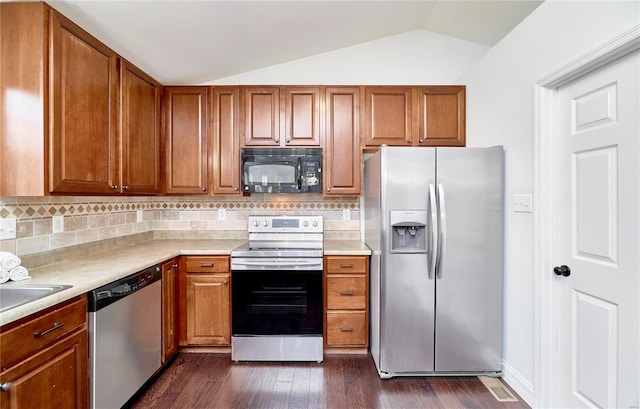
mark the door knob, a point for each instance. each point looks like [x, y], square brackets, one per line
[562, 270]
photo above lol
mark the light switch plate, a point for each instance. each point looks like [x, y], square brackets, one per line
[522, 203]
[346, 214]
[139, 216]
[7, 229]
[222, 214]
[58, 224]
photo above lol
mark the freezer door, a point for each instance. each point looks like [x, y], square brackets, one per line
[469, 272]
[407, 292]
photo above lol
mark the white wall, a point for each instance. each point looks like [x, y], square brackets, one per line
[500, 112]
[415, 57]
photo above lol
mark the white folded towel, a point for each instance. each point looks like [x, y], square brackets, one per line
[9, 260]
[4, 275]
[19, 273]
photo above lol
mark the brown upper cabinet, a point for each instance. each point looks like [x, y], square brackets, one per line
[60, 131]
[140, 131]
[225, 147]
[342, 154]
[414, 116]
[389, 116]
[281, 116]
[186, 140]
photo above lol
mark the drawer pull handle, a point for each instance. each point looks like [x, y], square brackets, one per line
[350, 292]
[56, 325]
[350, 265]
[348, 329]
[206, 264]
[5, 387]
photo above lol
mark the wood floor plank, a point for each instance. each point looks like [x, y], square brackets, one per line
[213, 381]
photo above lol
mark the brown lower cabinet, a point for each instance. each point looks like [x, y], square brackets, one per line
[346, 283]
[205, 301]
[169, 309]
[43, 363]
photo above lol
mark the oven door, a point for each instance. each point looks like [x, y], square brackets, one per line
[279, 302]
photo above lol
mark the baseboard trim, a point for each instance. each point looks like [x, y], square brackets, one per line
[518, 383]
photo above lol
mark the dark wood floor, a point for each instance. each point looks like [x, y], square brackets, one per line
[195, 380]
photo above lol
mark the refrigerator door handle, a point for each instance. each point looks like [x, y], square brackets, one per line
[434, 231]
[442, 244]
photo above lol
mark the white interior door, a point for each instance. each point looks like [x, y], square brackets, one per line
[596, 291]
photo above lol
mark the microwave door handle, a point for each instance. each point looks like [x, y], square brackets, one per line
[299, 169]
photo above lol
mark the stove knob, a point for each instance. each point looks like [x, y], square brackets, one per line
[315, 223]
[256, 223]
[265, 223]
[305, 223]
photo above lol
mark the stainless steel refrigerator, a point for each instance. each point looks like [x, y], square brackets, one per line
[433, 218]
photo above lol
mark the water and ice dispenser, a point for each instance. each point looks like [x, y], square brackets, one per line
[408, 231]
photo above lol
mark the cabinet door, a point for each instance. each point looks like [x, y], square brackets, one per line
[261, 116]
[185, 147]
[442, 116]
[56, 377]
[342, 167]
[169, 310]
[208, 309]
[140, 131]
[302, 116]
[83, 111]
[389, 116]
[226, 140]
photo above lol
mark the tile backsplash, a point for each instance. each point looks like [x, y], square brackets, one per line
[87, 219]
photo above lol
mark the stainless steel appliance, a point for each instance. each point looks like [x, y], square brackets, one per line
[125, 333]
[434, 223]
[281, 170]
[276, 290]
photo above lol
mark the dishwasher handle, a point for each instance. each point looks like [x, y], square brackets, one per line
[119, 289]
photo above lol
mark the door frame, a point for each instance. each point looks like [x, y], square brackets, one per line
[544, 189]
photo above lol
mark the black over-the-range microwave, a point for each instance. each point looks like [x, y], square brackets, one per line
[281, 170]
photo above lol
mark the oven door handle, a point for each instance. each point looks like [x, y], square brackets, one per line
[276, 264]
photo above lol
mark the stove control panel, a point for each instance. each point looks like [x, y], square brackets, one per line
[285, 224]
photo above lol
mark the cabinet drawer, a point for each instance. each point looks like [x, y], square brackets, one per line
[217, 264]
[346, 328]
[41, 332]
[346, 292]
[349, 264]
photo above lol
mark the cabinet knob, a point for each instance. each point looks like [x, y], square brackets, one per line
[5, 386]
[288, 140]
[175, 266]
[277, 140]
[125, 187]
[328, 189]
[114, 187]
[420, 140]
[204, 189]
[235, 189]
[225, 282]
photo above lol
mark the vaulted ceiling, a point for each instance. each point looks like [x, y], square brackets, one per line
[194, 42]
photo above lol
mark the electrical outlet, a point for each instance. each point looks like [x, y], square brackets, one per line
[7, 229]
[222, 214]
[139, 216]
[58, 224]
[522, 203]
[346, 214]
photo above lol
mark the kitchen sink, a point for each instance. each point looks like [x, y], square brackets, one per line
[12, 296]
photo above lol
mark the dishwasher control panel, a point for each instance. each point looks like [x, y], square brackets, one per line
[112, 292]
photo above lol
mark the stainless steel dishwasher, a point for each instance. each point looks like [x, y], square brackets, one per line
[125, 331]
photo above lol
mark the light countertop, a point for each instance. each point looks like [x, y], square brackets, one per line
[96, 269]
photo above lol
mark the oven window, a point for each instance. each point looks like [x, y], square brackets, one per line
[277, 303]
